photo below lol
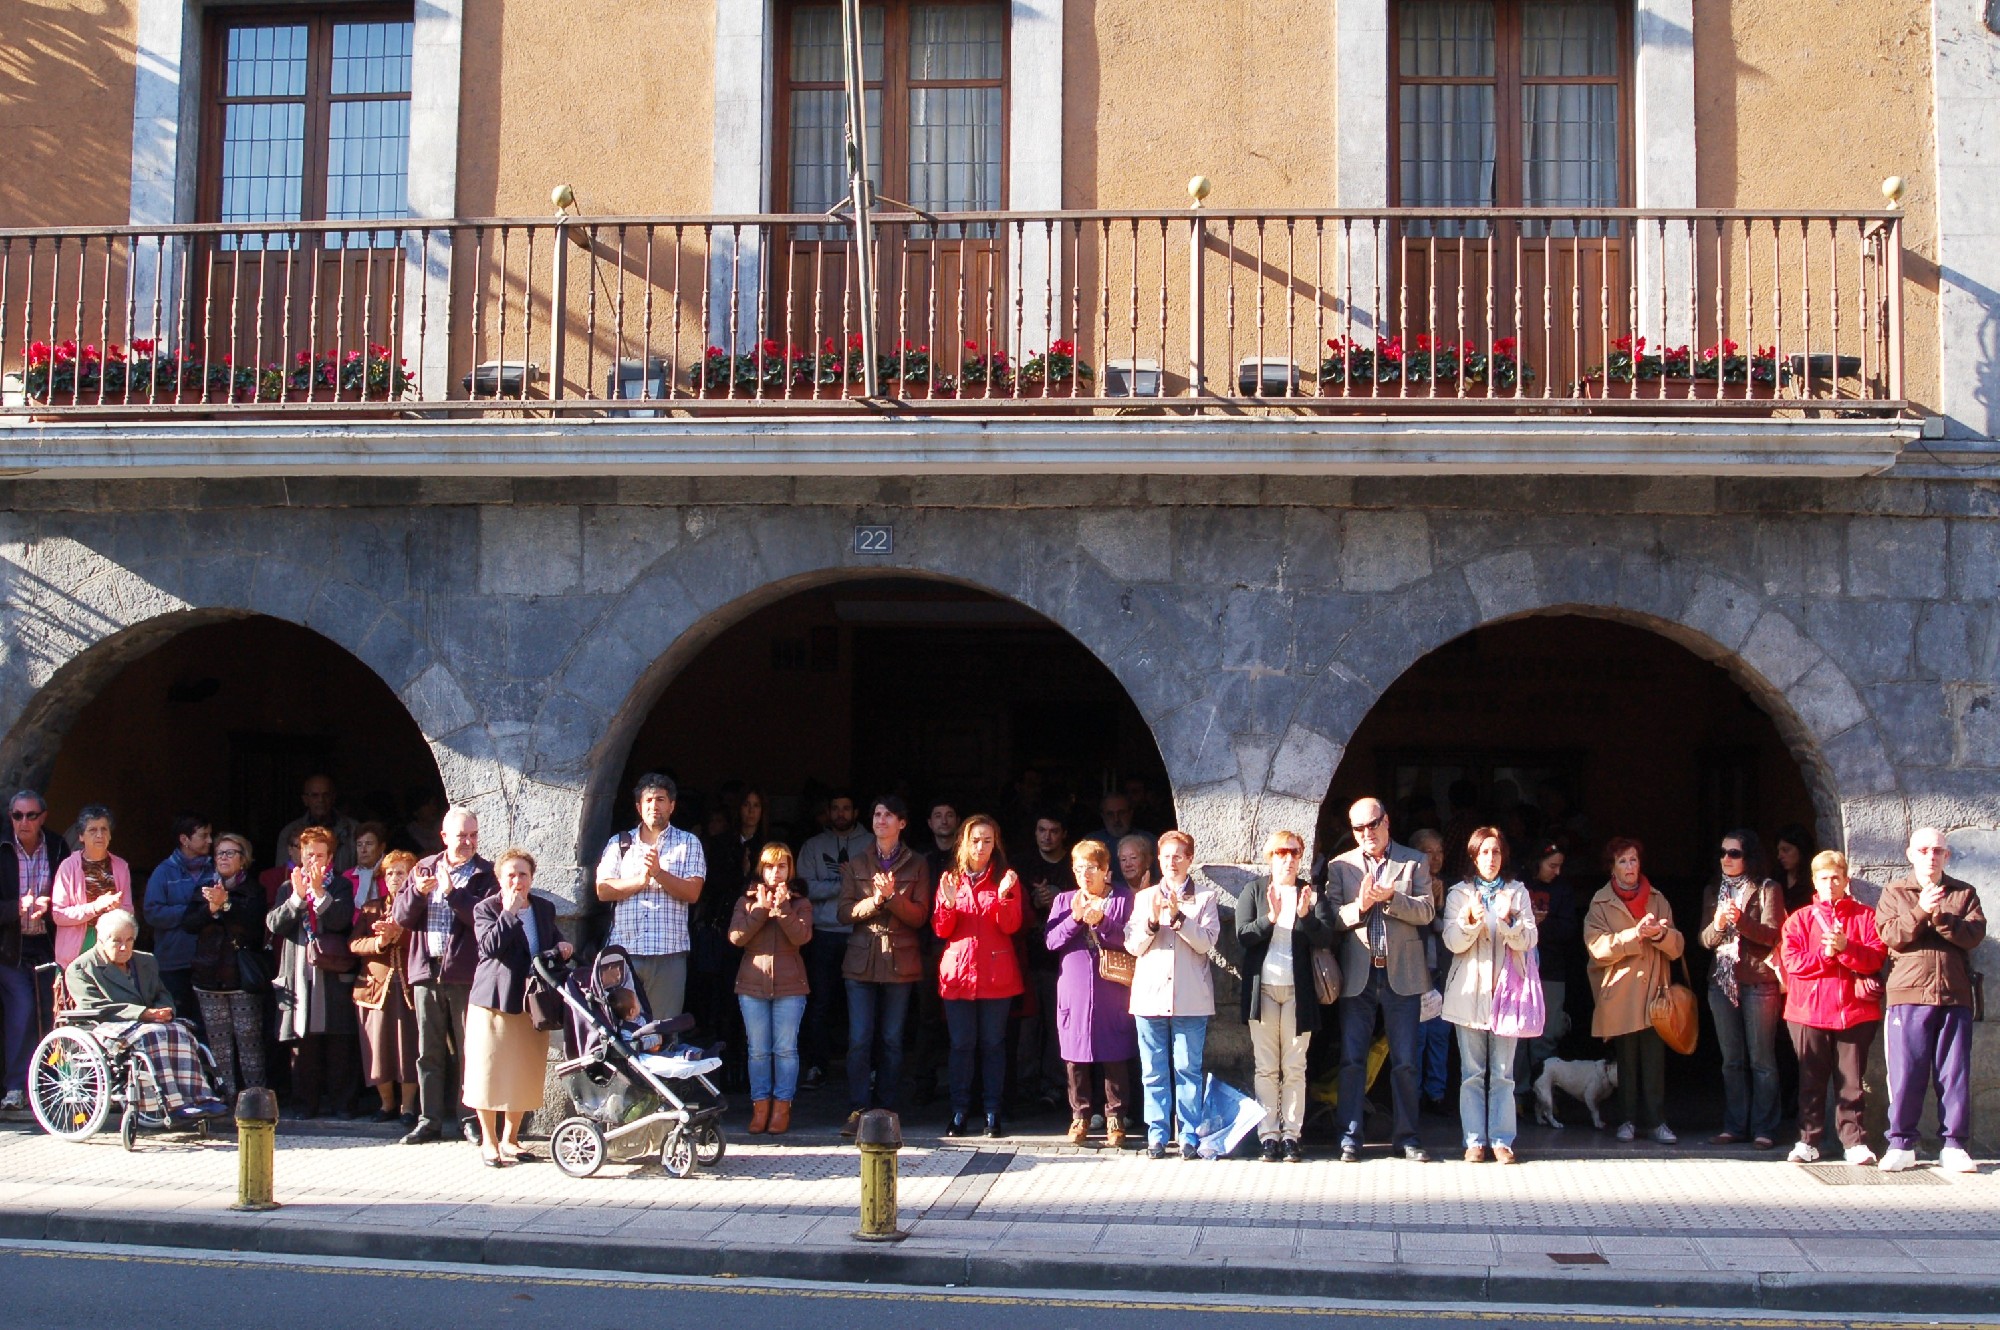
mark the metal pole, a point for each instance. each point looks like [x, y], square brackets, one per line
[858, 189]
[256, 1128]
[880, 1136]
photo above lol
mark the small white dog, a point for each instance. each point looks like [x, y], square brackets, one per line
[1591, 1082]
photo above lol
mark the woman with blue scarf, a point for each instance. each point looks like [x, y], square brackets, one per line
[1489, 927]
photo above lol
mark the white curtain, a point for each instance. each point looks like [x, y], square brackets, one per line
[1569, 131]
[1448, 129]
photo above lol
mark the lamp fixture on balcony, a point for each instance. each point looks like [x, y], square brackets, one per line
[1198, 189]
[1892, 190]
[564, 197]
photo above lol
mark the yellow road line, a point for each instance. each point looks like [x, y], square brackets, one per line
[1474, 1316]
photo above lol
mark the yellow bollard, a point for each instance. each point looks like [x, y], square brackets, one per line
[880, 1136]
[256, 1148]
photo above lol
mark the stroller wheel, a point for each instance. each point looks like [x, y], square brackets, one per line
[677, 1156]
[577, 1146]
[128, 1128]
[708, 1144]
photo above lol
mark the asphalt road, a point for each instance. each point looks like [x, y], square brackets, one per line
[44, 1287]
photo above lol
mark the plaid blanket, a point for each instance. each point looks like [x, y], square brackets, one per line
[168, 1075]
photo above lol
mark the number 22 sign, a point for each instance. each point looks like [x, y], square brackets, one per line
[874, 540]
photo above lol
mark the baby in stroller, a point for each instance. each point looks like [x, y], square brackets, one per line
[648, 1038]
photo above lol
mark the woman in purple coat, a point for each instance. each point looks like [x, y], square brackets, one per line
[1093, 1014]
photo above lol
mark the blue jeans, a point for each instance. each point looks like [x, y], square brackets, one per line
[1184, 1037]
[1434, 1046]
[875, 1012]
[1486, 1086]
[1357, 1032]
[978, 1029]
[1749, 1038]
[20, 1018]
[771, 1031]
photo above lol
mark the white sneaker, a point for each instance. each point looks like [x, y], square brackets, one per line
[1665, 1135]
[1626, 1132]
[1898, 1161]
[1860, 1156]
[1954, 1160]
[1803, 1154]
[14, 1102]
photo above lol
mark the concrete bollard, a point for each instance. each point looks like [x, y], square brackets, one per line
[256, 1149]
[880, 1136]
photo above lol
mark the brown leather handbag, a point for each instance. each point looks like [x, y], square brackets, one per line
[1673, 1012]
[1113, 963]
[1326, 976]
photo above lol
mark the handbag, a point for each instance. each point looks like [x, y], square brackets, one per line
[1520, 1010]
[1113, 963]
[1326, 976]
[330, 952]
[1673, 1013]
[543, 1004]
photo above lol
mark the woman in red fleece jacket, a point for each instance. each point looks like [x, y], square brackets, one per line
[1832, 959]
[977, 913]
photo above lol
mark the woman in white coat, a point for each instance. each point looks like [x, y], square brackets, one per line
[1489, 926]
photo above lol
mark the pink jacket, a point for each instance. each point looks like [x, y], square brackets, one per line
[1822, 991]
[978, 929]
[69, 894]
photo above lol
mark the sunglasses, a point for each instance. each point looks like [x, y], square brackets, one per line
[1285, 850]
[1368, 826]
[20, 816]
[1732, 854]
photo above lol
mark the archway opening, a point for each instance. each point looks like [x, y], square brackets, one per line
[1576, 729]
[228, 719]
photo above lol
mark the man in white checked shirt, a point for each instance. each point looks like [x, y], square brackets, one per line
[653, 873]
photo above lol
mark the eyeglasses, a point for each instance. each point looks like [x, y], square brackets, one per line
[21, 815]
[1288, 851]
[1368, 826]
[1728, 853]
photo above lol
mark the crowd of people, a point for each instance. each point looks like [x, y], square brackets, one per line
[351, 966]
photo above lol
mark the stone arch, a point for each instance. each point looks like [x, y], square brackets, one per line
[1819, 714]
[679, 604]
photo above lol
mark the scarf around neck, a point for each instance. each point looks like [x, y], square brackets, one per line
[1637, 898]
[1730, 948]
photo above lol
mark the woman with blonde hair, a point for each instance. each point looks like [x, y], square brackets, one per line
[1832, 958]
[382, 998]
[1279, 920]
[768, 924]
[1093, 1011]
[1489, 927]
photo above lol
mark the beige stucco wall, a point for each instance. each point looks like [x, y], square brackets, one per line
[1238, 90]
[66, 111]
[614, 98]
[1809, 104]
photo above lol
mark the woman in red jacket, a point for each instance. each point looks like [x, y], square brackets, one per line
[978, 911]
[1832, 960]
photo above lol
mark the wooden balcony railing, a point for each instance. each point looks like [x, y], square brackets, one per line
[1438, 313]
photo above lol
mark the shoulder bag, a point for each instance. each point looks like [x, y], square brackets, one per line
[1673, 1013]
[1113, 963]
[1326, 976]
[1519, 1008]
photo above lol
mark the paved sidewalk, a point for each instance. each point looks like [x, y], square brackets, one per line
[1630, 1229]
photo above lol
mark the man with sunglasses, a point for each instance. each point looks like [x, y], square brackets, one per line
[1381, 893]
[29, 856]
[1930, 922]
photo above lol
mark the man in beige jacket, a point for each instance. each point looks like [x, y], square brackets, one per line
[1381, 893]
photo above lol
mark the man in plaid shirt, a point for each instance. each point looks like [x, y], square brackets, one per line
[653, 873]
[25, 940]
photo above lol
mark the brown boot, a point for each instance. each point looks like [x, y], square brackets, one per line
[1078, 1129]
[781, 1117]
[1114, 1134]
[760, 1116]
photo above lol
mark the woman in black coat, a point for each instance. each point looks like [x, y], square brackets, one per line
[315, 981]
[505, 1055]
[1279, 920]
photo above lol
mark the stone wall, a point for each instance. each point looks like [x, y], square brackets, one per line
[529, 626]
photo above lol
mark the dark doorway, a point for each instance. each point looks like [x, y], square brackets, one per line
[228, 719]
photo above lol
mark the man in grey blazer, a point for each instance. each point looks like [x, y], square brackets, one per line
[1381, 893]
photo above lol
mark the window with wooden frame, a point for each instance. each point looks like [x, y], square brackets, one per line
[1512, 104]
[308, 119]
[936, 99]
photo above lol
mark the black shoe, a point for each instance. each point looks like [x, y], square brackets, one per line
[1294, 1153]
[470, 1128]
[814, 1078]
[423, 1133]
[1350, 1153]
[1189, 1151]
[957, 1125]
[384, 1115]
[1268, 1151]
[994, 1131]
[1416, 1154]
[1156, 1152]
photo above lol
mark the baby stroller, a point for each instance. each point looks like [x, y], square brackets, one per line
[638, 1091]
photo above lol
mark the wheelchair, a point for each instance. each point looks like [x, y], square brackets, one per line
[76, 1080]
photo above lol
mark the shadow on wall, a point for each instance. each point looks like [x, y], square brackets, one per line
[66, 118]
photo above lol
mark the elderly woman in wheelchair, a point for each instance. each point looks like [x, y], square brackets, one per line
[120, 1042]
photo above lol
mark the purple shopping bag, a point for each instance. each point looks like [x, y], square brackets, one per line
[1519, 1011]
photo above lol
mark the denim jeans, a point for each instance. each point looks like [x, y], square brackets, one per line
[1182, 1038]
[1749, 1038]
[771, 1032]
[978, 1038]
[1486, 1086]
[1434, 1047]
[875, 1012]
[1357, 1032]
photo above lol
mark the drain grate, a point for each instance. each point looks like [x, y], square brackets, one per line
[1847, 1175]
[1579, 1258]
